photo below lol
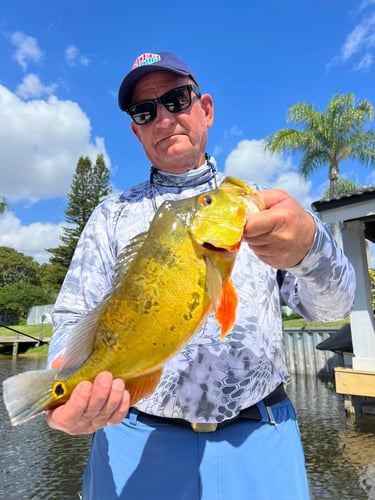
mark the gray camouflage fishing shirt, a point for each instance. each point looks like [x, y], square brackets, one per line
[209, 380]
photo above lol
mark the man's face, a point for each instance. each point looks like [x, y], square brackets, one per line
[173, 142]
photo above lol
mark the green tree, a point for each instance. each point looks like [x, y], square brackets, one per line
[90, 185]
[328, 138]
[51, 277]
[15, 267]
[17, 298]
[3, 204]
[20, 283]
[344, 186]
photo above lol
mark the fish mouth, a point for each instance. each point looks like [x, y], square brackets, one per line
[213, 248]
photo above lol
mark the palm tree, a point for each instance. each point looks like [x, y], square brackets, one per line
[3, 204]
[344, 186]
[328, 138]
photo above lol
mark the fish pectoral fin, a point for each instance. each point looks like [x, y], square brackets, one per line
[214, 282]
[142, 386]
[223, 297]
[226, 310]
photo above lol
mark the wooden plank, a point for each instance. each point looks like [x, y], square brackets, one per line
[355, 382]
[21, 339]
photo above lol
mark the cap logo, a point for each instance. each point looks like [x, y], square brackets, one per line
[145, 60]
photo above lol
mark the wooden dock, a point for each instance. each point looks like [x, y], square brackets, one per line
[19, 342]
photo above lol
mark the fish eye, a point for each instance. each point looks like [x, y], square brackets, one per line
[206, 200]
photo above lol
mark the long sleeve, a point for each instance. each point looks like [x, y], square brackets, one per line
[321, 288]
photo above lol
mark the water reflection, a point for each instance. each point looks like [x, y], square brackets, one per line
[340, 453]
[39, 463]
[35, 461]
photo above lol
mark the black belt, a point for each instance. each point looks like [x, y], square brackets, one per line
[250, 413]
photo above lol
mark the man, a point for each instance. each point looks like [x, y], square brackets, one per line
[219, 425]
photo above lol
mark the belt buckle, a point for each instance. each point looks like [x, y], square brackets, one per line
[203, 426]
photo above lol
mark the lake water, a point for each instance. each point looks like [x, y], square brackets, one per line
[39, 463]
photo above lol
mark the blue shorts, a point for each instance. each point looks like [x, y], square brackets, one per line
[245, 460]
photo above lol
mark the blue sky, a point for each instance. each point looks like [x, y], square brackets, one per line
[61, 64]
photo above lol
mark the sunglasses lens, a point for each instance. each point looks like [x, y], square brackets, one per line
[177, 99]
[143, 113]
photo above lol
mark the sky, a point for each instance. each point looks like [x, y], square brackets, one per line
[62, 62]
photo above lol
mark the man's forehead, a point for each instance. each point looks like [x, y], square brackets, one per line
[157, 82]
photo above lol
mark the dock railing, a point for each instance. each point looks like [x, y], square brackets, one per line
[303, 358]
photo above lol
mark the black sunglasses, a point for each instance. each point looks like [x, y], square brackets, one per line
[174, 100]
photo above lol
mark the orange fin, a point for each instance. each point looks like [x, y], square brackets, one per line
[142, 386]
[226, 311]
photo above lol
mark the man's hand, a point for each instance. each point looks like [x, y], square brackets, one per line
[91, 406]
[282, 235]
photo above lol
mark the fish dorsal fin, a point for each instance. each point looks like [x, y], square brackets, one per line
[81, 339]
[223, 297]
[126, 257]
[80, 342]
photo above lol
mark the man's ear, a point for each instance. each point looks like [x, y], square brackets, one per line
[135, 131]
[208, 107]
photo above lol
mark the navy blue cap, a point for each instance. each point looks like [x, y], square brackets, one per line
[147, 63]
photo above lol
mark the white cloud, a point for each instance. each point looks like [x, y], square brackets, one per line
[32, 87]
[359, 44]
[234, 131]
[365, 63]
[229, 134]
[250, 162]
[361, 37]
[30, 240]
[27, 49]
[40, 144]
[74, 58]
[370, 178]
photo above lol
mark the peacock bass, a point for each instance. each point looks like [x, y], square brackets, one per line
[166, 282]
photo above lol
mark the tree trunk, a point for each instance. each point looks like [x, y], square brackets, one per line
[333, 193]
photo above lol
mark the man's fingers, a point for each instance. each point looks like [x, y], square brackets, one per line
[92, 406]
[118, 403]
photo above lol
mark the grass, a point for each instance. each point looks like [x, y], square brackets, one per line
[302, 323]
[34, 331]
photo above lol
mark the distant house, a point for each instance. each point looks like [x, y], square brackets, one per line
[356, 214]
[40, 314]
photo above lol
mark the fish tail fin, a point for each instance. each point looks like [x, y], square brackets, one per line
[142, 386]
[226, 310]
[28, 394]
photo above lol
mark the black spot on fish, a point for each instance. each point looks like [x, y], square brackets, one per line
[59, 390]
[192, 306]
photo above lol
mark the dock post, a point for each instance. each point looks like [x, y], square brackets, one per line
[15, 349]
